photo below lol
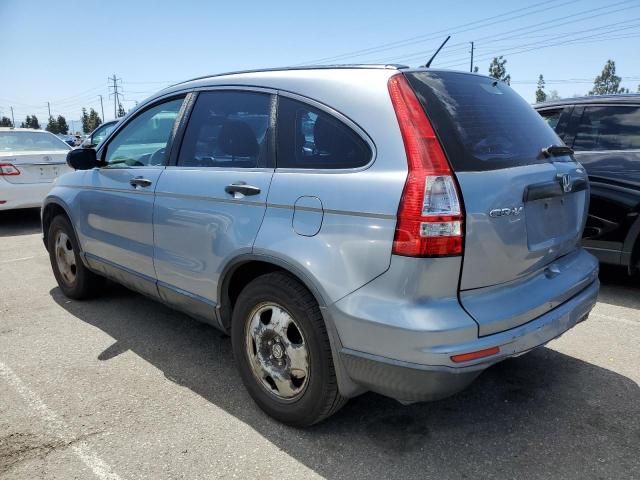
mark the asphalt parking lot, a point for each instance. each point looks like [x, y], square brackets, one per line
[121, 387]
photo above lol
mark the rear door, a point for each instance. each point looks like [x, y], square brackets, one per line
[211, 201]
[524, 208]
[115, 207]
[607, 144]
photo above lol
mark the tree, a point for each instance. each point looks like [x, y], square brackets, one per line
[5, 122]
[638, 88]
[553, 95]
[52, 126]
[121, 112]
[62, 125]
[540, 95]
[498, 70]
[27, 122]
[85, 121]
[34, 122]
[94, 120]
[475, 70]
[607, 82]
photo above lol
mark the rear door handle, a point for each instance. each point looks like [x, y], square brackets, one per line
[140, 182]
[242, 188]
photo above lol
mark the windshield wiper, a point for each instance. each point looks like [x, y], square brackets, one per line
[556, 151]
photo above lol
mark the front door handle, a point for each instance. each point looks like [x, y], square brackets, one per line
[242, 188]
[140, 182]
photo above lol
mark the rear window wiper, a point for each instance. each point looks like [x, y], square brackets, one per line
[556, 151]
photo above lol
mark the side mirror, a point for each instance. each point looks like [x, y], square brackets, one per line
[82, 159]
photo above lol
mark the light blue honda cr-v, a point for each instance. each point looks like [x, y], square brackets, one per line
[353, 228]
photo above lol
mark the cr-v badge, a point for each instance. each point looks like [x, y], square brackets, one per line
[504, 212]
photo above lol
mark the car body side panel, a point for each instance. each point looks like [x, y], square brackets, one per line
[354, 242]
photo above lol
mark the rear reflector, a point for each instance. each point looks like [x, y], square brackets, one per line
[465, 357]
[429, 217]
[8, 169]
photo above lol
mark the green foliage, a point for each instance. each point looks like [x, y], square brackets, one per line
[475, 70]
[607, 82]
[93, 120]
[52, 125]
[498, 70]
[121, 111]
[5, 122]
[85, 121]
[31, 122]
[62, 125]
[541, 96]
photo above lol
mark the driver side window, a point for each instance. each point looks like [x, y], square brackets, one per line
[143, 141]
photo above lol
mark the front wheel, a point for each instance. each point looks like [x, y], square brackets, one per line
[283, 353]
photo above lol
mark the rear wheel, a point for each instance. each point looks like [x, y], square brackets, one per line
[283, 353]
[74, 279]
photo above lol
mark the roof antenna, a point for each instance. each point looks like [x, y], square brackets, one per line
[428, 64]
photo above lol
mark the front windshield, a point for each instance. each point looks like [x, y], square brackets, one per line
[21, 141]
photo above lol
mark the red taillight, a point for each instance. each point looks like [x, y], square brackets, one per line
[8, 169]
[430, 218]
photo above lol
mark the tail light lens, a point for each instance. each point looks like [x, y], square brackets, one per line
[8, 169]
[430, 218]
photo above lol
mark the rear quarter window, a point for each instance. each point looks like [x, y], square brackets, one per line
[482, 123]
[308, 137]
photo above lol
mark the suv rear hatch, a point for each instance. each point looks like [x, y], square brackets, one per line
[525, 207]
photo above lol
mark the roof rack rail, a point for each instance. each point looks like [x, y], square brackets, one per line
[389, 66]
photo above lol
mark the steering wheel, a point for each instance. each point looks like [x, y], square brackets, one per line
[158, 157]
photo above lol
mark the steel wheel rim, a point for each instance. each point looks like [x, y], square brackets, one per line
[277, 352]
[65, 258]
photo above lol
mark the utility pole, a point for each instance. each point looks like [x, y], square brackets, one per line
[13, 120]
[471, 68]
[49, 107]
[101, 107]
[116, 98]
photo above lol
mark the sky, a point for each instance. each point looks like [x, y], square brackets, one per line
[64, 52]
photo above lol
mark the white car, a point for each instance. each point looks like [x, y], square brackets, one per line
[30, 161]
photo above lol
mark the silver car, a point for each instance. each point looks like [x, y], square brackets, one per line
[356, 228]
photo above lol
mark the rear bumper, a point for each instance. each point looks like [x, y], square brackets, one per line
[22, 195]
[440, 377]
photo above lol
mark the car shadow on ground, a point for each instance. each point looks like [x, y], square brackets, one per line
[617, 287]
[542, 415]
[19, 222]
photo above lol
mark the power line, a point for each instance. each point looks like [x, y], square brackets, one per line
[439, 33]
[522, 48]
[518, 32]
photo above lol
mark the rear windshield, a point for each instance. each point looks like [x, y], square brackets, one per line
[482, 123]
[21, 141]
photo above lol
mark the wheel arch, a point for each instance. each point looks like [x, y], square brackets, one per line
[244, 268]
[51, 209]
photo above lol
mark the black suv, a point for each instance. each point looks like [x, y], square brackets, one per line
[604, 131]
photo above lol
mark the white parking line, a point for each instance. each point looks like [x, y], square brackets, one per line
[57, 427]
[17, 259]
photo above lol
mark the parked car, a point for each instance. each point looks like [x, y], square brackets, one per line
[99, 134]
[30, 161]
[604, 131]
[414, 235]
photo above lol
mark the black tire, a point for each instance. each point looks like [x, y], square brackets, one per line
[85, 283]
[321, 397]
